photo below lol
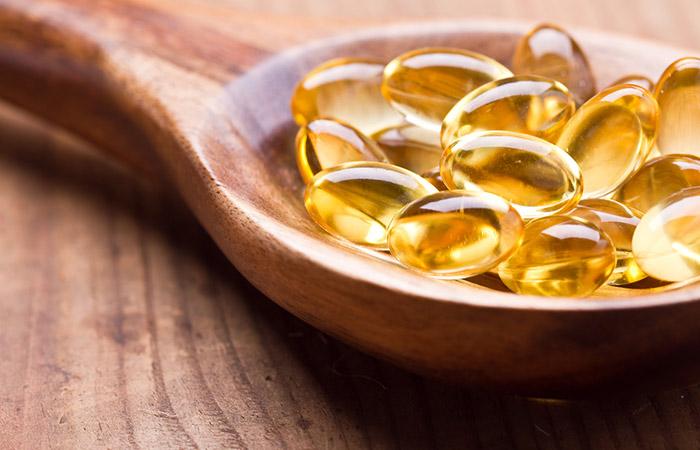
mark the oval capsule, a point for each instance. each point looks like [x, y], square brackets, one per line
[551, 52]
[357, 201]
[424, 84]
[657, 179]
[324, 143]
[610, 136]
[455, 234]
[677, 92]
[536, 176]
[434, 177]
[636, 80]
[524, 104]
[414, 148]
[347, 89]
[559, 256]
[667, 241]
[619, 223]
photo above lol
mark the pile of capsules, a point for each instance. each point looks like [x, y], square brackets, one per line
[459, 166]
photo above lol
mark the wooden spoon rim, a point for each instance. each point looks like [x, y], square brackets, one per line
[356, 266]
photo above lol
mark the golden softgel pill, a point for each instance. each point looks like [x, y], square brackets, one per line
[324, 143]
[524, 104]
[536, 176]
[677, 92]
[409, 146]
[434, 177]
[424, 84]
[551, 52]
[657, 179]
[455, 234]
[559, 256]
[357, 201]
[667, 241]
[635, 79]
[347, 89]
[610, 136]
[619, 223]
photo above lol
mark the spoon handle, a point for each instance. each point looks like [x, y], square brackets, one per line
[104, 68]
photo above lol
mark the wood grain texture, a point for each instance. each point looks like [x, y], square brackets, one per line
[119, 331]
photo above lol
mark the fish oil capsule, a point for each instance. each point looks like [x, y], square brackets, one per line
[619, 223]
[455, 234]
[414, 148]
[536, 176]
[347, 89]
[524, 104]
[559, 256]
[434, 177]
[324, 143]
[357, 201]
[610, 136]
[636, 80]
[424, 84]
[657, 179]
[551, 52]
[677, 92]
[667, 241]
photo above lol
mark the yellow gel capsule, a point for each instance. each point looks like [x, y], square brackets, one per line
[536, 176]
[411, 147]
[424, 84]
[677, 92]
[347, 89]
[610, 136]
[637, 80]
[357, 201]
[434, 177]
[326, 143]
[455, 234]
[551, 52]
[559, 256]
[657, 179]
[619, 223]
[667, 241]
[524, 104]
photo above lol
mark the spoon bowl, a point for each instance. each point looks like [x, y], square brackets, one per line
[227, 147]
[471, 332]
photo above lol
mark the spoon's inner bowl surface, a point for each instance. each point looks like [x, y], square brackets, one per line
[254, 121]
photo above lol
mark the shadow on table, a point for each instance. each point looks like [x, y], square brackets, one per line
[304, 388]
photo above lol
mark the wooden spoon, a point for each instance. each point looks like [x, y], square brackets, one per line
[177, 90]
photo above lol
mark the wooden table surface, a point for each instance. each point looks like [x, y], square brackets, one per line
[122, 325]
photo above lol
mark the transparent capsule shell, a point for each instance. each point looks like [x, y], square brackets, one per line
[657, 179]
[619, 223]
[536, 176]
[666, 243]
[559, 256]
[409, 146]
[549, 51]
[346, 89]
[424, 84]
[524, 104]
[324, 143]
[434, 177]
[636, 80]
[455, 234]
[357, 201]
[677, 92]
[610, 136]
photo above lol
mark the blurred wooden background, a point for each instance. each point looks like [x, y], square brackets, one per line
[122, 325]
[671, 21]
